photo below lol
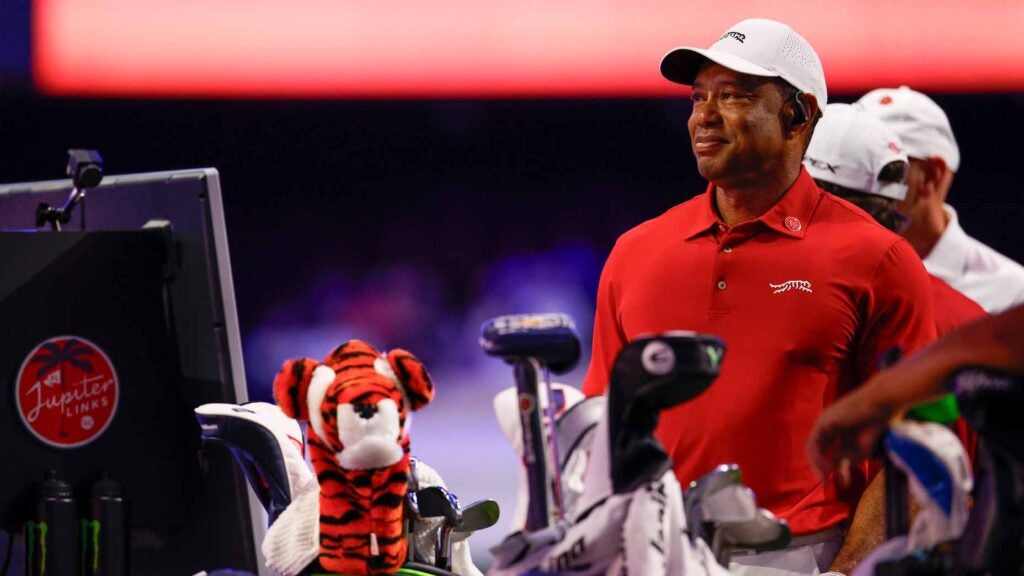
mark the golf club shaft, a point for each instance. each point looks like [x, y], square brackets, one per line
[556, 510]
[538, 479]
[897, 513]
[443, 547]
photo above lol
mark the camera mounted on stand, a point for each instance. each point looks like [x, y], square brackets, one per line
[86, 170]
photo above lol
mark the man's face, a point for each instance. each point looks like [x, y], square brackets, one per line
[736, 127]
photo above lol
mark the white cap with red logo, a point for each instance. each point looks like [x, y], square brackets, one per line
[759, 47]
[850, 148]
[917, 120]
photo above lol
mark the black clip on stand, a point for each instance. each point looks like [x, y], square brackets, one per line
[86, 170]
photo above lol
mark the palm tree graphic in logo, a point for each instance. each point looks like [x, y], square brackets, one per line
[55, 355]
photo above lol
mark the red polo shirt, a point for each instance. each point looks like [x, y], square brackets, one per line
[951, 307]
[807, 297]
[951, 310]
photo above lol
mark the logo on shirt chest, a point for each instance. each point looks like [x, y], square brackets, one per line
[788, 285]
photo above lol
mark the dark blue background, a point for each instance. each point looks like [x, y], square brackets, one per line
[314, 189]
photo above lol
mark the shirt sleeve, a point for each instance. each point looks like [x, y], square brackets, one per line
[899, 310]
[608, 334]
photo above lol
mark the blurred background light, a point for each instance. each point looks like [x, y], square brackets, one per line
[464, 48]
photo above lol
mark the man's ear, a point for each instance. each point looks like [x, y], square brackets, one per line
[801, 112]
[810, 102]
[935, 170]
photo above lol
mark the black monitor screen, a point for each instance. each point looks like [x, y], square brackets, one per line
[114, 328]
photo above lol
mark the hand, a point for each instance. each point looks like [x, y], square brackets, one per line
[848, 430]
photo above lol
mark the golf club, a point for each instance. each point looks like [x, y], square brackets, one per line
[257, 435]
[533, 343]
[437, 502]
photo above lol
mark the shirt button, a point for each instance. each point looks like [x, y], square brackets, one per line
[721, 227]
[727, 249]
[721, 284]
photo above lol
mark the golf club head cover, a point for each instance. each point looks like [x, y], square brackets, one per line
[652, 374]
[992, 403]
[939, 476]
[293, 448]
[266, 444]
[292, 542]
[356, 402]
[654, 535]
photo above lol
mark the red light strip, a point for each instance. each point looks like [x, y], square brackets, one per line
[462, 48]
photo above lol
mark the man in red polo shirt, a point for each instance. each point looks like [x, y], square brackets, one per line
[807, 291]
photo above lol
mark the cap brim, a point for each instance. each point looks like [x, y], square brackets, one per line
[682, 64]
[894, 190]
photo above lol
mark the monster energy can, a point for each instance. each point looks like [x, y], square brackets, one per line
[105, 531]
[51, 537]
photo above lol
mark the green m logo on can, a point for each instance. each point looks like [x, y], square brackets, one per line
[35, 543]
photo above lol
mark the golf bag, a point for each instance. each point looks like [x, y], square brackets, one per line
[623, 510]
[268, 446]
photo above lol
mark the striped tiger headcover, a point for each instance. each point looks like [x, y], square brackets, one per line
[356, 402]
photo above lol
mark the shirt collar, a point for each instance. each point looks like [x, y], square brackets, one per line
[790, 216]
[704, 219]
[948, 255]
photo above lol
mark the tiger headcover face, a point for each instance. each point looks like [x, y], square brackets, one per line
[356, 403]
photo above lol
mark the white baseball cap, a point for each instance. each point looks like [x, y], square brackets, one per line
[850, 147]
[917, 120]
[758, 47]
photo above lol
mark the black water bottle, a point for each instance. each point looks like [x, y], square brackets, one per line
[105, 530]
[51, 537]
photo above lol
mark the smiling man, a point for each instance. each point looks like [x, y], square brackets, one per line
[806, 289]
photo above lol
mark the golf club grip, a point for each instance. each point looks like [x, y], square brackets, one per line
[533, 444]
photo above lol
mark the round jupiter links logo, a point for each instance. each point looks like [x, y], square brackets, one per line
[67, 392]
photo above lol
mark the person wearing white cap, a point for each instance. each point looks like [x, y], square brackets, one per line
[982, 274]
[856, 157]
[805, 289]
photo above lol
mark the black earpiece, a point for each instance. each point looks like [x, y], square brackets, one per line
[799, 111]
